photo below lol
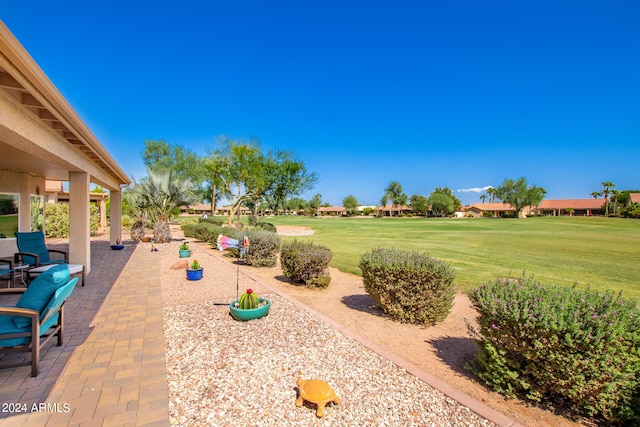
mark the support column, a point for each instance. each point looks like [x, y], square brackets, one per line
[102, 206]
[79, 220]
[24, 207]
[116, 217]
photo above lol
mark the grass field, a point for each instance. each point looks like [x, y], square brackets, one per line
[601, 252]
[8, 225]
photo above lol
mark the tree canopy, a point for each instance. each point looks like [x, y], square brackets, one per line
[519, 194]
[350, 203]
[441, 204]
[247, 175]
[394, 194]
[457, 204]
[419, 204]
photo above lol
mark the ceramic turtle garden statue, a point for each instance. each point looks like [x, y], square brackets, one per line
[316, 391]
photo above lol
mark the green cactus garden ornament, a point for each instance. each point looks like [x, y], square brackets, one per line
[248, 300]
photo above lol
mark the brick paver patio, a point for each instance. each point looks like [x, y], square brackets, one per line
[110, 371]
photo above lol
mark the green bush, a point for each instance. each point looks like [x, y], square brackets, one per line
[266, 226]
[263, 248]
[205, 232]
[409, 286]
[304, 262]
[127, 221]
[211, 220]
[57, 220]
[548, 341]
[188, 230]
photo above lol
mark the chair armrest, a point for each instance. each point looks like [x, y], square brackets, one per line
[12, 291]
[66, 254]
[18, 257]
[9, 262]
[20, 312]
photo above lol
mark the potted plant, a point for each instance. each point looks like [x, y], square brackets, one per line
[184, 250]
[249, 306]
[194, 271]
[118, 246]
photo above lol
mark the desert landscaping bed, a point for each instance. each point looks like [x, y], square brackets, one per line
[441, 350]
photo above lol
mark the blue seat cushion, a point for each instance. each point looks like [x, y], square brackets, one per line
[8, 326]
[37, 295]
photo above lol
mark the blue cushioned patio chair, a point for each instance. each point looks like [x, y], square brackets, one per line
[37, 317]
[33, 251]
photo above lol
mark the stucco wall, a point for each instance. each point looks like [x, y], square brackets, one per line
[25, 185]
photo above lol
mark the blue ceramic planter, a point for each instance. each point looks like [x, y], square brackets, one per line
[249, 314]
[194, 274]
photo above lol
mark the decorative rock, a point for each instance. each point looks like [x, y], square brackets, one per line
[180, 265]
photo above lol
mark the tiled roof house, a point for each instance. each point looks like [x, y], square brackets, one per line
[581, 207]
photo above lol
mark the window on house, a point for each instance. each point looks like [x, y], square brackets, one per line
[8, 215]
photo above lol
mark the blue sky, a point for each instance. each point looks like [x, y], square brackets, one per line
[459, 94]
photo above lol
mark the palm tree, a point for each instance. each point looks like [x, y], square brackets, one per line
[606, 188]
[157, 195]
[615, 194]
[483, 196]
[596, 194]
[492, 192]
[394, 193]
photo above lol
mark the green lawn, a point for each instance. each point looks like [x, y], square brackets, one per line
[601, 252]
[8, 225]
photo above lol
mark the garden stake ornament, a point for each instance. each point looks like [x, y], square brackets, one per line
[224, 243]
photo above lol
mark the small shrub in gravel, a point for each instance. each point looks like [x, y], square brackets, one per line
[304, 262]
[211, 220]
[543, 341]
[409, 286]
[266, 226]
[263, 248]
[206, 232]
[188, 230]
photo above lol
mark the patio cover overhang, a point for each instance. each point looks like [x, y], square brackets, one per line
[42, 137]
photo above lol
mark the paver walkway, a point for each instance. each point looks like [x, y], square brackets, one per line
[110, 371]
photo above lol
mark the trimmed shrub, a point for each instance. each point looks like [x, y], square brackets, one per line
[543, 341]
[211, 220]
[263, 248]
[206, 232]
[304, 262]
[266, 226]
[410, 287]
[188, 230]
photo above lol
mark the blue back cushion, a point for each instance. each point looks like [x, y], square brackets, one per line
[33, 242]
[37, 295]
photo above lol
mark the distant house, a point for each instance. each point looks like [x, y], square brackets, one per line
[396, 210]
[634, 198]
[577, 207]
[196, 209]
[226, 210]
[333, 211]
[497, 209]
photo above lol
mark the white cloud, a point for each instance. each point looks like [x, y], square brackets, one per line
[474, 189]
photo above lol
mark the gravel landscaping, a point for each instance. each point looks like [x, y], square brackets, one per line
[225, 372]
